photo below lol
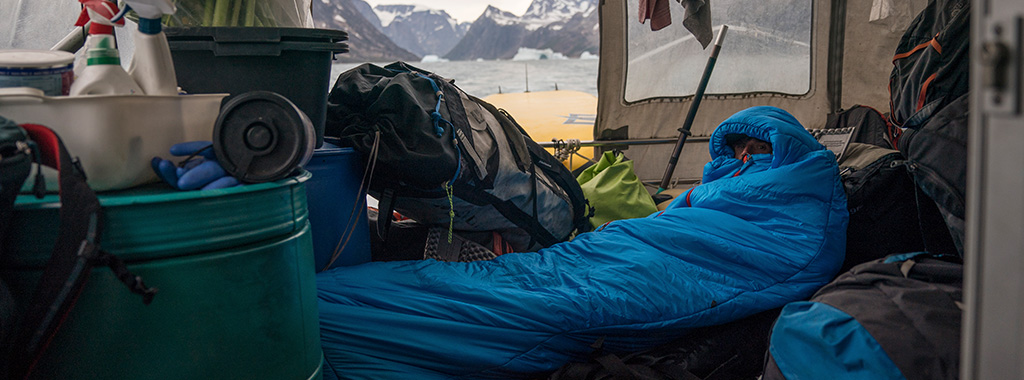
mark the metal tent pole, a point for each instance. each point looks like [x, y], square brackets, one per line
[684, 131]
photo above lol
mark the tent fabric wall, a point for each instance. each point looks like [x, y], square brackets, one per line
[873, 29]
[867, 56]
[27, 24]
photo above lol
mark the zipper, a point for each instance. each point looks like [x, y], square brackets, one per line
[20, 147]
[932, 176]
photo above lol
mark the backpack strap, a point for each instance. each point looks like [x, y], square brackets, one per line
[16, 156]
[510, 211]
[581, 209]
[385, 207]
[74, 253]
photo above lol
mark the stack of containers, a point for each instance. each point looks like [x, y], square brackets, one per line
[295, 63]
[237, 293]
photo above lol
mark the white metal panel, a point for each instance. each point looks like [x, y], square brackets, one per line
[993, 340]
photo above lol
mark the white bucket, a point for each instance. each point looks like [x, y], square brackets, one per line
[116, 136]
[48, 70]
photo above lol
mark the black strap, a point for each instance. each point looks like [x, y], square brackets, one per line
[613, 367]
[133, 282]
[510, 211]
[563, 178]
[385, 207]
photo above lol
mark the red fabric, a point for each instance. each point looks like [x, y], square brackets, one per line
[46, 140]
[103, 8]
[657, 11]
[500, 246]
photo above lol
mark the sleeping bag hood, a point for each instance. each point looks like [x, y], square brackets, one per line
[755, 235]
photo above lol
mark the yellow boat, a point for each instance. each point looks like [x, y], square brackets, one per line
[553, 115]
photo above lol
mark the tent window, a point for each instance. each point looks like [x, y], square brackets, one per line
[767, 49]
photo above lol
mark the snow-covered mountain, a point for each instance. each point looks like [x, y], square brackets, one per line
[544, 12]
[407, 32]
[496, 34]
[366, 43]
[421, 30]
[565, 26]
[573, 37]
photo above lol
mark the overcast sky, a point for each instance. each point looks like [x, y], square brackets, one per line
[464, 10]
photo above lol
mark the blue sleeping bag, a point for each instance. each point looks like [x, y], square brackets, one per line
[757, 234]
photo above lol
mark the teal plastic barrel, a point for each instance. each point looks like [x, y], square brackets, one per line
[234, 269]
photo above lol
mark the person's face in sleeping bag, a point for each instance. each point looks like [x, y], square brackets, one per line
[745, 145]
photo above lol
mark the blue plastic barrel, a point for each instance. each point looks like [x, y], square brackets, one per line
[337, 207]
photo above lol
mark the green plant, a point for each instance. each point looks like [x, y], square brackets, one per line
[252, 13]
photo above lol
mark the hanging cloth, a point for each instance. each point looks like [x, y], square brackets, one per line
[697, 18]
[657, 11]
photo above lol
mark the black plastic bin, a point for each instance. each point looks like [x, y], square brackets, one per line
[293, 62]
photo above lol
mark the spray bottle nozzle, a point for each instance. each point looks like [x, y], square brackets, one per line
[151, 9]
[101, 14]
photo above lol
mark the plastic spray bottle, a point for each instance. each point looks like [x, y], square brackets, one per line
[151, 65]
[103, 74]
[98, 14]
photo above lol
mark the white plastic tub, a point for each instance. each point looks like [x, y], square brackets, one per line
[116, 136]
[47, 70]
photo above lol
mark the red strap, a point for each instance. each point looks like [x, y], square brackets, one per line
[499, 245]
[688, 197]
[911, 52]
[933, 43]
[46, 141]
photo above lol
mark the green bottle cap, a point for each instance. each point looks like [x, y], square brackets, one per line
[103, 54]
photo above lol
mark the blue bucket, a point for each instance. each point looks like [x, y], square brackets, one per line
[337, 207]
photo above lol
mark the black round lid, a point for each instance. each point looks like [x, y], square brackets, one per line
[261, 136]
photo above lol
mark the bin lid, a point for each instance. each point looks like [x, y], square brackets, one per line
[261, 136]
[34, 58]
[233, 34]
[156, 221]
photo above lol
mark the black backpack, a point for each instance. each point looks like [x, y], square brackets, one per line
[897, 317]
[731, 351]
[869, 125]
[16, 157]
[15, 164]
[444, 158]
[26, 330]
[930, 66]
[888, 212]
[936, 156]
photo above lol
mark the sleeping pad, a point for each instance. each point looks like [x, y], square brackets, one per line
[756, 234]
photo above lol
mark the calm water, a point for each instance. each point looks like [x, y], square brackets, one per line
[482, 78]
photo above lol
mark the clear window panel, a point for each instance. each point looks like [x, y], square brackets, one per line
[767, 49]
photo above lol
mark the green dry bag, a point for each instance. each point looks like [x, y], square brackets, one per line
[614, 191]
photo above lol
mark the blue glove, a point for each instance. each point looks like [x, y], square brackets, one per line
[199, 171]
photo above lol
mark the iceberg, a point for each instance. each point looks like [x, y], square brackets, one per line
[433, 58]
[528, 54]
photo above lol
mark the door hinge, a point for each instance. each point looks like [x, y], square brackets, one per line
[1000, 58]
